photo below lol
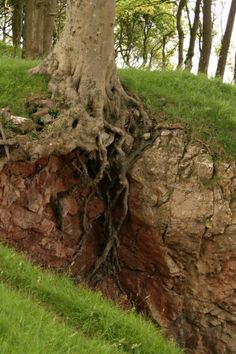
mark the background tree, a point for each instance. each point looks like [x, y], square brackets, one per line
[5, 20]
[39, 26]
[144, 32]
[182, 4]
[193, 35]
[234, 77]
[206, 37]
[17, 22]
[226, 41]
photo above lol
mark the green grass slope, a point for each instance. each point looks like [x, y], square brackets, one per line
[16, 84]
[42, 312]
[28, 327]
[206, 107]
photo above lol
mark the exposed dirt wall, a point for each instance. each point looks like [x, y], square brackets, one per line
[178, 244]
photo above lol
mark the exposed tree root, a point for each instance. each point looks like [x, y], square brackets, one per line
[109, 129]
[102, 164]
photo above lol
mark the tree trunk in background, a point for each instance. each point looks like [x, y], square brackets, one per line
[39, 27]
[17, 24]
[226, 41]
[193, 35]
[180, 31]
[206, 37]
[4, 21]
[163, 51]
[234, 79]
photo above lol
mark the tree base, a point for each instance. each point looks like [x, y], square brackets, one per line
[105, 151]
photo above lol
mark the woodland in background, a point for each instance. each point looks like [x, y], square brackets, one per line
[153, 34]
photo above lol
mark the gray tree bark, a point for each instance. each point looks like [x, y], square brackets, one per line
[180, 31]
[193, 36]
[17, 24]
[206, 37]
[226, 41]
[39, 27]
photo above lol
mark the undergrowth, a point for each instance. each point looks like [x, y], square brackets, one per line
[36, 304]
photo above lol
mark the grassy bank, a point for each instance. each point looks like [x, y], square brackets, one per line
[41, 305]
[16, 84]
[206, 107]
[28, 327]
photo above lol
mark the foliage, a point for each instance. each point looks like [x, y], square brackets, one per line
[60, 18]
[5, 20]
[206, 106]
[144, 33]
[39, 304]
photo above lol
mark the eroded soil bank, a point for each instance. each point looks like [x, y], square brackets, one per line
[178, 244]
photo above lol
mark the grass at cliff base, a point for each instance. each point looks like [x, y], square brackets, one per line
[43, 312]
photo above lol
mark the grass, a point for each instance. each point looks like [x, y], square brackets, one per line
[16, 84]
[206, 107]
[45, 305]
[27, 327]
[8, 51]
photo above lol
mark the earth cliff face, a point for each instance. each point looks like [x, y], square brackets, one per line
[178, 244]
[180, 256]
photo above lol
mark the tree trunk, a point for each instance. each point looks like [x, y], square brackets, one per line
[226, 41]
[180, 30]
[17, 24]
[163, 52]
[234, 78]
[193, 35]
[106, 126]
[4, 26]
[206, 37]
[39, 27]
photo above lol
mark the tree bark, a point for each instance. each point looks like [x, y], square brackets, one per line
[226, 41]
[234, 78]
[17, 24]
[180, 31]
[206, 37]
[193, 35]
[39, 27]
[99, 120]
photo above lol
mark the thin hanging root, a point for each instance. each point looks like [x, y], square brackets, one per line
[112, 246]
[84, 228]
[6, 148]
[103, 159]
[102, 260]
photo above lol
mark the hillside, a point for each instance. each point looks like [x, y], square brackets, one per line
[205, 107]
[49, 311]
[42, 312]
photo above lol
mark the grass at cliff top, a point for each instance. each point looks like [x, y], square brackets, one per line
[207, 107]
[41, 312]
[16, 84]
